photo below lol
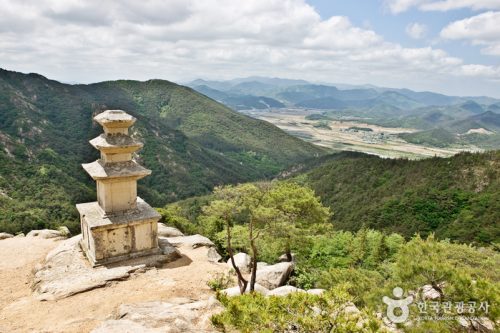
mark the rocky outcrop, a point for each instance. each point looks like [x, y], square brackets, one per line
[66, 271]
[243, 261]
[174, 316]
[194, 241]
[164, 231]
[47, 233]
[235, 291]
[4, 235]
[274, 276]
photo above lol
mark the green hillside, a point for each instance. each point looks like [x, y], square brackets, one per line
[191, 143]
[457, 197]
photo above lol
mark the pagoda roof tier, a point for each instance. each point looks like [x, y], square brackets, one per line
[116, 143]
[100, 171]
[115, 119]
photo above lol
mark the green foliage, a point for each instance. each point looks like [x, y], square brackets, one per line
[456, 197]
[220, 281]
[299, 312]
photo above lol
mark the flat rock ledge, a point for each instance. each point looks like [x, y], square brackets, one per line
[173, 316]
[66, 271]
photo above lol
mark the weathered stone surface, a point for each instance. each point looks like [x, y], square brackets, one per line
[175, 315]
[243, 261]
[235, 291]
[213, 255]
[274, 276]
[193, 241]
[315, 291]
[482, 324]
[45, 233]
[20, 235]
[4, 235]
[428, 292]
[165, 231]
[284, 290]
[66, 271]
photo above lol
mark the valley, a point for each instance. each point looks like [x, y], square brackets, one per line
[351, 134]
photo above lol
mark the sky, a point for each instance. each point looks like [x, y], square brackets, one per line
[447, 46]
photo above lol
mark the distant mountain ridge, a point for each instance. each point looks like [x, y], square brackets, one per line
[325, 96]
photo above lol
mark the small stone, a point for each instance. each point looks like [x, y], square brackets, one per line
[316, 291]
[168, 249]
[428, 292]
[164, 231]
[284, 290]
[4, 235]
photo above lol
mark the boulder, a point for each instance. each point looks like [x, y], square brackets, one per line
[261, 264]
[46, 233]
[213, 255]
[243, 261]
[274, 276]
[194, 241]
[284, 290]
[316, 291]
[21, 235]
[174, 315]
[283, 258]
[164, 231]
[4, 235]
[235, 291]
[428, 292]
[64, 231]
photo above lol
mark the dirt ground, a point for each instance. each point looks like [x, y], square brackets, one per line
[20, 311]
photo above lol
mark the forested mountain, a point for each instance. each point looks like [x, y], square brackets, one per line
[456, 197]
[191, 143]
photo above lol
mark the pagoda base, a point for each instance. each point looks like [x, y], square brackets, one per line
[108, 239]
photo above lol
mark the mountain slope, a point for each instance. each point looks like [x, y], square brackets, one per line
[192, 143]
[456, 197]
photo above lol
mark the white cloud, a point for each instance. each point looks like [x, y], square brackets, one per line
[92, 40]
[399, 6]
[482, 29]
[416, 30]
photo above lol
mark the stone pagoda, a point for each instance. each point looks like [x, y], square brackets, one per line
[119, 225]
